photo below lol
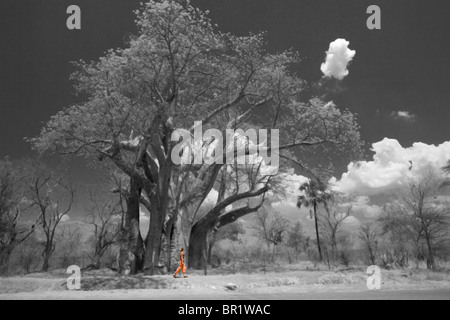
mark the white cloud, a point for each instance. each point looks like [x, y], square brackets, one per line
[352, 221]
[291, 183]
[211, 198]
[361, 207]
[143, 216]
[65, 218]
[211, 201]
[392, 167]
[403, 115]
[286, 205]
[337, 59]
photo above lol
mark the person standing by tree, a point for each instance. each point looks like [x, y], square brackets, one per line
[181, 265]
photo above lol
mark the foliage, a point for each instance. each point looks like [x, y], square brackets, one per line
[177, 70]
[419, 218]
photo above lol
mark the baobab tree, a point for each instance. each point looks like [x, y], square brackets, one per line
[179, 70]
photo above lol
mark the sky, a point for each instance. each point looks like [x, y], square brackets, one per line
[398, 80]
[401, 68]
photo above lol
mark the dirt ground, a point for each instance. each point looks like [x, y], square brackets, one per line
[285, 284]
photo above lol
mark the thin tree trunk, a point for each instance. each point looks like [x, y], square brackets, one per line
[45, 265]
[46, 255]
[430, 261]
[371, 254]
[317, 232]
[5, 255]
[212, 241]
[176, 242]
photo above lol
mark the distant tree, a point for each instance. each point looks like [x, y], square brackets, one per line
[52, 198]
[421, 216]
[446, 179]
[271, 228]
[13, 230]
[369, 240]
[229, 232]
[106, 222]
[398, 240]
[296, 238]
[345, 251]
[337, 210]
[447, 168]
[29, 253]
[314, 194]
[69, 243]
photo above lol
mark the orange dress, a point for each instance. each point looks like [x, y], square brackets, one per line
[181, 265]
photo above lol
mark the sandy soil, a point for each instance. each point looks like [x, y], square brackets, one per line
[104, 284]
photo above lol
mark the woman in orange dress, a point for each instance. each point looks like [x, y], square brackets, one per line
[181, 265]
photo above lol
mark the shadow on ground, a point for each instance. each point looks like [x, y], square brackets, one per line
[131, 282]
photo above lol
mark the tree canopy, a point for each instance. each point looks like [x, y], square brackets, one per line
[179, 69]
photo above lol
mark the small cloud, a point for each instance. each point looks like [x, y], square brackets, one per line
[352, 221]
[361, 207]
[403, 115]
[337, 59]
[143, 216]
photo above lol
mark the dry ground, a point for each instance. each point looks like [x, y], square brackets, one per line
[286, 282]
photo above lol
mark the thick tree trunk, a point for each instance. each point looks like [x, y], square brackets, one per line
[132, 245]
[172, 245]
[170, 241]
[160, 205]
[200, 238]
[153, 243]
[198, 246]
